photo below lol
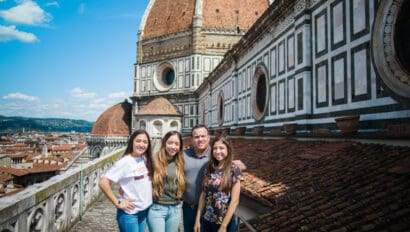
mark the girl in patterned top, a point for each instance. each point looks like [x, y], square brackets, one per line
[220, 191]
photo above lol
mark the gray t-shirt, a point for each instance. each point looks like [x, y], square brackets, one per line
[194, 171]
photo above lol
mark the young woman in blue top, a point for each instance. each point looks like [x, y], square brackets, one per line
[168, 184]
[132, 173]
[220, 189]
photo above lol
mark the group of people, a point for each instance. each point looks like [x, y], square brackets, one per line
[202, 181]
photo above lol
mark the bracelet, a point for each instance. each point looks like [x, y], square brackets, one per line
[118, 202]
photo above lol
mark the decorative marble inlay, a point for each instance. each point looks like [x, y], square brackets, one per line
[359, 15]
[322, 84]
[360, 73]
[273, 99]
[291, 51]
[281, 96]
[291, 93]
[321, 33]
[337, 22]
[339, 74]
[281, 57]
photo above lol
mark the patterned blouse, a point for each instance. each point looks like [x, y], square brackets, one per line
[217, 202]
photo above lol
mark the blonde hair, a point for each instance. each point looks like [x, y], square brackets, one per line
[160, 168]
[226, 181]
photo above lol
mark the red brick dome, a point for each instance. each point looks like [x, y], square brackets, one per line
[164, 17]
[116, 120]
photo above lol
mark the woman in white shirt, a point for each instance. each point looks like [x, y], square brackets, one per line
[133, 174]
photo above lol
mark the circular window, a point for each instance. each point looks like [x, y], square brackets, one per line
[391, 30]
[402, 29]
[260, 92]
[164, 77]
[168, 76]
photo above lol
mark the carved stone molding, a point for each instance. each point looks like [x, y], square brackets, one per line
[390, 48]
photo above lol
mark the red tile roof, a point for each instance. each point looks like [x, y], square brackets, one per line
[63, 147]
[18, 155]
[327, 186]
[13, 171]
[159, 106]
[5, 177]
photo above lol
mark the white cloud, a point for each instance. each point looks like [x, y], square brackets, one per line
[81, 8]
[55, 3]
[99, 104]
[118, 95]
[28, 12]
[11, 33]
[78, 104]
[20, 96]
[82, 94]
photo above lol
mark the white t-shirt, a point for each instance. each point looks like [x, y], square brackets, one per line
[131, 174]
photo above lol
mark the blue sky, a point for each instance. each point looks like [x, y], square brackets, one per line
[67, 58]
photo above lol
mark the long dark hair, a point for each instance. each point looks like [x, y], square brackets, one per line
[160, 167]
[148, 152]
[226, 182]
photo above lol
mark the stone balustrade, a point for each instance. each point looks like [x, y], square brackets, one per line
[58, 203]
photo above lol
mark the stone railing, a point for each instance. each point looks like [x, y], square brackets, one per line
[58, 203]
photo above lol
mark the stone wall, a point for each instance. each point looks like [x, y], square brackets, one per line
[56, 204]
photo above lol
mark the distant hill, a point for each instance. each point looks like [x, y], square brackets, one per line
[16, 124]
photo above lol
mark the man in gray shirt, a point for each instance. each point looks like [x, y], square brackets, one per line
[196, 161]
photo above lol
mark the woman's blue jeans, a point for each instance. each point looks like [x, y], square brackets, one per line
[132, 222]
[164, 218]
[212, 227]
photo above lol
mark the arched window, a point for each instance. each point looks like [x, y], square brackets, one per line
[220, 109]
[174, 125]
[157, 130]
[143, 125]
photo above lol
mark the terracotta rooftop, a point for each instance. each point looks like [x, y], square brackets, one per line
[37, 168]
[62, 147]
[327, 186]
[18, 155]
[229, 14]
[5, 177]
[172, 16]
[13, 171]
[116, 120]
[159, 106]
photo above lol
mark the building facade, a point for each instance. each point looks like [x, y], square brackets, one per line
[310, 63]
[307, 63]
[180, 43]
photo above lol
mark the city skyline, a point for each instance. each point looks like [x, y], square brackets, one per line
[67, 59]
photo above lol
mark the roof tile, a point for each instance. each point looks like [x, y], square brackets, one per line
[327, 186]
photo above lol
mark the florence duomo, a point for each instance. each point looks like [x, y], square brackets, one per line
[247, 64]
[315, 95]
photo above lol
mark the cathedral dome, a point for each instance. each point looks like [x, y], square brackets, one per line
[116, 120]
[165, 17]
